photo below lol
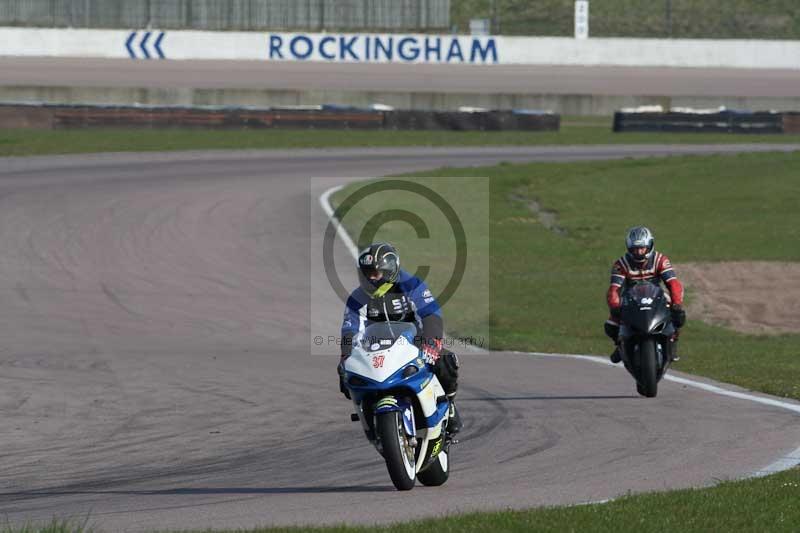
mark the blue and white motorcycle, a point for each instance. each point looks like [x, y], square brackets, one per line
[400, 403]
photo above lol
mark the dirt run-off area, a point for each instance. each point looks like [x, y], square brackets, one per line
[757, 297]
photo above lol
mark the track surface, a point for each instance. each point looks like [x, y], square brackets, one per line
[63, 72]
[155, 370]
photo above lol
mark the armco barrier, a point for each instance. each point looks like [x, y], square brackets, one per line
[49, 116]
[720, 122]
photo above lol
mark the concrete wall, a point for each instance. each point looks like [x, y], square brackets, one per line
[398, 48]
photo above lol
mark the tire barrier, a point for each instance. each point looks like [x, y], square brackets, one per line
[54, 116]
[471, 120]
[723, 121]
[791, 122]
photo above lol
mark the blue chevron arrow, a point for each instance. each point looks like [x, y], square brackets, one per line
[128, 44]
[143, 45]
[157, 45]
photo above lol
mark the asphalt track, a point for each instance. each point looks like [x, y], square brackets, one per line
[713, 82]
[155, 369]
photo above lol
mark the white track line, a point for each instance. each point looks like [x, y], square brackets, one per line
[783, 463]
[325, 202]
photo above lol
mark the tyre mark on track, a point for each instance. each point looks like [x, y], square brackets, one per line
[116, 301]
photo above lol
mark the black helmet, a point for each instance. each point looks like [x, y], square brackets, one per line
[378, 268]
[639, 237]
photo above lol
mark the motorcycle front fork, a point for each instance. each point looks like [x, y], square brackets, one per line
[667, 347]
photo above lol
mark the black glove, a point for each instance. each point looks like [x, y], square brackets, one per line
[678, 316]
[340, 370]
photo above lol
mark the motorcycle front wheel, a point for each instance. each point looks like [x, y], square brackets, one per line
[648, 369]
[397, 451]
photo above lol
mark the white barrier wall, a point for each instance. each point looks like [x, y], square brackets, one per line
[397, 48]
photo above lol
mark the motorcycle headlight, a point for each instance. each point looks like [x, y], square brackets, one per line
[409, 371]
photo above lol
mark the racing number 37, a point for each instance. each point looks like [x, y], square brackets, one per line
[377, 361]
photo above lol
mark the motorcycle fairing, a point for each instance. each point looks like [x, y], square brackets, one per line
[363, 363]
[391, 403]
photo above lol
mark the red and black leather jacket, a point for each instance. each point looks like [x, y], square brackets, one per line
[656, 268]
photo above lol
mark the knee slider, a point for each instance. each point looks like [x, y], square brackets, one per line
[451, 362]
[612, 331]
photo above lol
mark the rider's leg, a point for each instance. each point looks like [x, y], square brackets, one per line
[611, 328]
[446, 369]
[673, 346]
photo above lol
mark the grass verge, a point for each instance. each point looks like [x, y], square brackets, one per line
[21, 142]
[57, 525]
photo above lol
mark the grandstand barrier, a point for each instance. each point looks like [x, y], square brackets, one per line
[56, 116]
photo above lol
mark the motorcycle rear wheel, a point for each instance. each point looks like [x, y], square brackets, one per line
[397, 451]
[436, 474]
[648, 369]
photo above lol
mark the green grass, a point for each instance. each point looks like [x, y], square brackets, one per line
[439, 251]
[548, 290]
[704, 19]
[56, 525]
[22, 142]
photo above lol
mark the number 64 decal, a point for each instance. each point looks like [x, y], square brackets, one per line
[377, 361]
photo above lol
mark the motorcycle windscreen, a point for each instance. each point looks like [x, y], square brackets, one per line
[384, 348]
[644, 308]
[383, 335]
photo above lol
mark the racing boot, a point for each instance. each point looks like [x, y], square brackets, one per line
[611, 328]
[616, 357]
[454, 424]
[673, 350]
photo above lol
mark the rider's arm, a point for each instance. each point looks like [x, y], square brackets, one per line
[355, 314]
[421, 297]
[671, 280]
[617, 279]
[429, 312]
[432, 327]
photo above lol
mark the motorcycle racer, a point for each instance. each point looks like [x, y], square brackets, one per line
[388, 293]
[643, 263]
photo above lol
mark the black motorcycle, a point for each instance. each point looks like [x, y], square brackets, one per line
[645, 335]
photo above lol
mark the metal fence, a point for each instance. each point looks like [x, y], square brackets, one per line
[742, 19]
[244, 15]
[720, 19]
